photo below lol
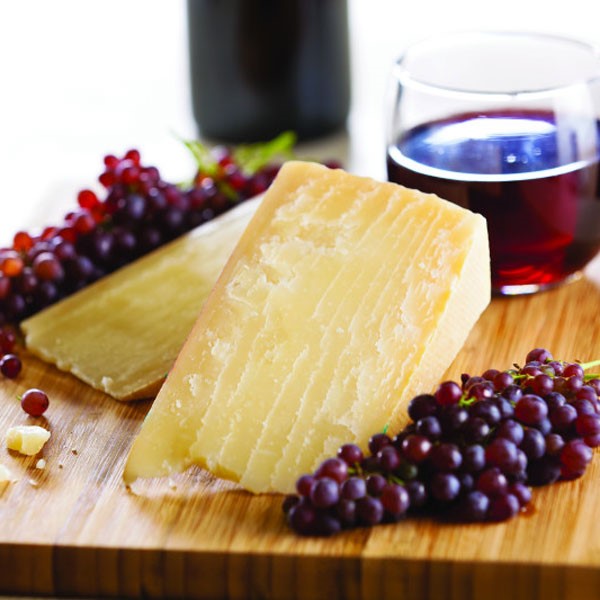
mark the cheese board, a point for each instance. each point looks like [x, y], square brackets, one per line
[74, 529]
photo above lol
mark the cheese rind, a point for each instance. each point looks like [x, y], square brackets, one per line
[343, 298]
[122, 334]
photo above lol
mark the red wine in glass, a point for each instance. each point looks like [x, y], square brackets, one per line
[525, 175]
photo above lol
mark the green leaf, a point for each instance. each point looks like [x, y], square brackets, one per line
[253, 157]
[250, 158]
[205, 161]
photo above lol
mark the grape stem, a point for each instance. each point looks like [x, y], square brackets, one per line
[395, 479]
[589, 365]
[466, 400]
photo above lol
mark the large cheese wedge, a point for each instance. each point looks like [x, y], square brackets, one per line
[343, 298]
[122, 334]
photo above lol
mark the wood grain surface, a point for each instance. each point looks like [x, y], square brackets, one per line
[73, 529]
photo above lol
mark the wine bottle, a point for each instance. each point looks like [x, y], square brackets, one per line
[260, 67]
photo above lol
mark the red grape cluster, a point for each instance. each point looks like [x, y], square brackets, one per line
[137, 212]
[471, 451]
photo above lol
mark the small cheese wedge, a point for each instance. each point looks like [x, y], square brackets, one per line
[122, 334]
[343, 298]
[27, 439]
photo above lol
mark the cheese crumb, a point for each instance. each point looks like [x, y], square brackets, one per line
[5, 475]
[40, 464]
[27, 439]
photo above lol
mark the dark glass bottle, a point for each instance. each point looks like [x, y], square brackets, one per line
[260, 67]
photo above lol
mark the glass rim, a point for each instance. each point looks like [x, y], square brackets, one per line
[404, 75]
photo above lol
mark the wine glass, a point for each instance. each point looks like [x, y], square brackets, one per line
[506, 124]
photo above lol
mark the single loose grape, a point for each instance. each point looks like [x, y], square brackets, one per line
[34, 402]
[10, 366]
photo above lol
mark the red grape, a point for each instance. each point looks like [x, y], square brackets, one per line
[416, 448]
[10, 366]
[444, 486]
[305, 485]
[395, 499]
[531, 409]
[34, 402]
[370, 510]
[351, 454]
[448, 393]
[325, 493]
[334, 468]
[538, 354]
[503, 507]
[353, 488]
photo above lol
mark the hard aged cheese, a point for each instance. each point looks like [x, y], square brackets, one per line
[27, 439]
[343, 298]
[122, 334]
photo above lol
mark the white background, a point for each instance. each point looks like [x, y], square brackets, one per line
[82, 78]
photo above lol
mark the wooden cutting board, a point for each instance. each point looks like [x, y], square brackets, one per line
[73, 529]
